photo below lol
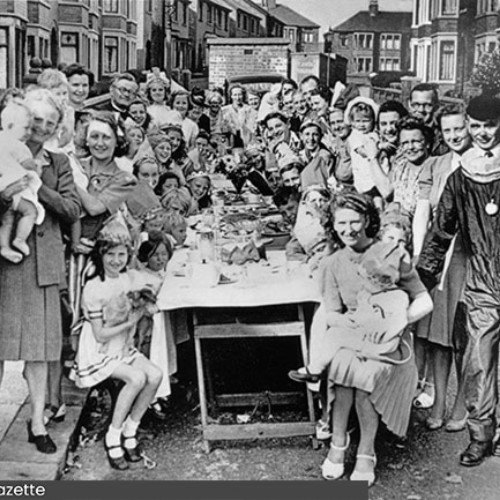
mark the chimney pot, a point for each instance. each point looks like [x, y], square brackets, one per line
[269, 4]
[373, 7]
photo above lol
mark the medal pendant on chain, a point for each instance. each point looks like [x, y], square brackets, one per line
[491, 208]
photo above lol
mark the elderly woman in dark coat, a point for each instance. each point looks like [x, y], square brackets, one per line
[30, 329]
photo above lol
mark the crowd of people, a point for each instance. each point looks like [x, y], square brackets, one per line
[393, 206]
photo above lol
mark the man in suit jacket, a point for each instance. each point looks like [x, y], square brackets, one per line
[123, 91]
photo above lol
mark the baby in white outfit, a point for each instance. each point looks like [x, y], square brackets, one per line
[17, 163]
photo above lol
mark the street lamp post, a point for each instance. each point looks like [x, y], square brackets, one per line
[169, 10]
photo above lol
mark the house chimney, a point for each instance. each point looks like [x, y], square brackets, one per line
[269, 4]
[373, 8]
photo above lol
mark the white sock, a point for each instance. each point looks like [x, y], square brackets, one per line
[129, 431]
[113, 438]
[130, 427]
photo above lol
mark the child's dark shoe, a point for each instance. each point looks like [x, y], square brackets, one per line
[117, 462]
[131, 449]
[157, 410]
[304, 375]
[54, 414]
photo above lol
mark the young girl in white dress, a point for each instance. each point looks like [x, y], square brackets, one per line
[152, 335]
[106, 347]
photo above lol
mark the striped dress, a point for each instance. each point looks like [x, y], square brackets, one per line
[95, 361]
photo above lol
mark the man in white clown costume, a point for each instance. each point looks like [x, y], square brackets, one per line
[470, 205]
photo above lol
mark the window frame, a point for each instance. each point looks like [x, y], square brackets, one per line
[107, 59]
[443, 71]
[451, 12]
[111, 6]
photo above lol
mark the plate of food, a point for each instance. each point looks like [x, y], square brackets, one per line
[274, 229]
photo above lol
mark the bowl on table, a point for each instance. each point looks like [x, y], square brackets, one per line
[278, 239]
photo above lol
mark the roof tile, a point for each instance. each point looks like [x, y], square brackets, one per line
[291, 18]
[383, 21]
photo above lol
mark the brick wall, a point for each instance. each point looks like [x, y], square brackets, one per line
[70, 14]
[18, 7]
[246, 59]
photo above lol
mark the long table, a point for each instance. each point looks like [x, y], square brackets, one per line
[274, 282]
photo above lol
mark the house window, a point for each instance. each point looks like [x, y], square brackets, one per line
[389, 64]
[363, 40]
[184, 14]
[226, 17]
[4, 57]
[219, 19]
[449, 7]
[492, 46]
[209, 14]
[239, 20]
[480, 49]
[363, 64]
[245, 23]
[110, 6]
[201, 4]
[308, 37]
[110, 54]
[390, 41]
[31, 46]
[289, 33]
[487, 6]
[447, 61]
[69, 47]
[344, 40]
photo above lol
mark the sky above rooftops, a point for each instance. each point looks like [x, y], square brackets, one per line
[328, 13]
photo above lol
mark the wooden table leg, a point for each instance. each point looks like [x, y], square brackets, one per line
[201, 389]
[305, 359]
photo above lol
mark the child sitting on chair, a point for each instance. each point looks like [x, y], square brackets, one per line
[373, 330]
[150, 338]
[17, 162]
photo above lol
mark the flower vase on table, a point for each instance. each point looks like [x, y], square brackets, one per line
[235, 171]
[238, 181]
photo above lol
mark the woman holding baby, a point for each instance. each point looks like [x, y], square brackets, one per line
[31, 327]
[379, 384]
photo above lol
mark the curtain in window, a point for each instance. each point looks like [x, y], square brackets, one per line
[447, 67]
[449, 7]
[110, 55]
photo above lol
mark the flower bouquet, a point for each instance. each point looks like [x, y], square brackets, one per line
[235, 170]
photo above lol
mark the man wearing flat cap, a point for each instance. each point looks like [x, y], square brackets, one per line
[469, 206]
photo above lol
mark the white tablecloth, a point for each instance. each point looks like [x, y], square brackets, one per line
[264, 284]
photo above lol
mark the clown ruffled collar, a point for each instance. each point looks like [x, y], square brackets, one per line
[479, 167]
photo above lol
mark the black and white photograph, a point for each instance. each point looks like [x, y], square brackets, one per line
[251, 242]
